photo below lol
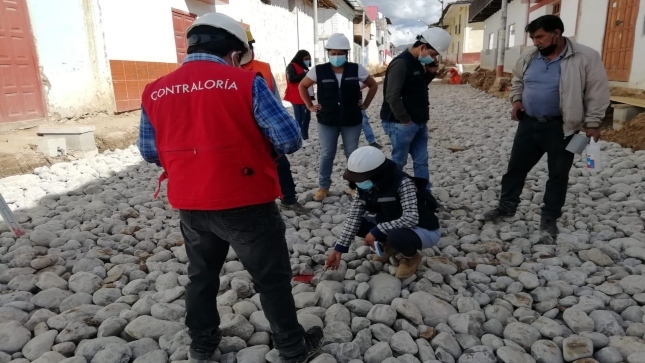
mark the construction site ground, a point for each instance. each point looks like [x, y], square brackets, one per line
[18, 149]
[19, 155]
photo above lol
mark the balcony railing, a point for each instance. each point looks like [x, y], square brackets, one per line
[481, 10]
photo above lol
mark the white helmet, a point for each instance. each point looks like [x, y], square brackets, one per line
[437, 38]
[363, 163]
[225, 22]
[338, 41]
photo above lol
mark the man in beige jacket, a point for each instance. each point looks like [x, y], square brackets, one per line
[558, 88]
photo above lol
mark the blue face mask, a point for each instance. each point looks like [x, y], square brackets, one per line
[337, 60]
[307, 63]
[366, 185]
[426, 60]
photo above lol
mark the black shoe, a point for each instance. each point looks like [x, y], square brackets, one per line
[493, 214]
[376, 145]
[314, 339]
[549, 226]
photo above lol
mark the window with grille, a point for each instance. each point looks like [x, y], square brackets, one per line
[491, 41]
[511, 36]
[556, 8]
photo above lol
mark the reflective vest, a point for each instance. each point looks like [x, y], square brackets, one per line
[263, 68]
[292, 94]
[339, 104]
[214, 155]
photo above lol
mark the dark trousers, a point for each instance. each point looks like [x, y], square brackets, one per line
[403, 240]
[286, 181]
[532, 140]
[303, 116]
[256, 233]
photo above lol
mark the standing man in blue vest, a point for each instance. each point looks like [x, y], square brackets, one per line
[406, 109]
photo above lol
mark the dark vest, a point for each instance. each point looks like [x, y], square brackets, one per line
[414, 92]
[339, 105]
[386, 204]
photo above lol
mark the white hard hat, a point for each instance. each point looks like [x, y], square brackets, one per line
[338, 41]
[225, 22]
[437, 38]
[363, 163]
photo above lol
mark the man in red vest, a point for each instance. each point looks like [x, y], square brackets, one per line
[287, 185]
[216, 130]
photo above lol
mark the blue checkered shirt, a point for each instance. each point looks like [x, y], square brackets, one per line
[272, 118]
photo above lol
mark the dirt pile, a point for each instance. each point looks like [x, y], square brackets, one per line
[631, 135]
[487, 81]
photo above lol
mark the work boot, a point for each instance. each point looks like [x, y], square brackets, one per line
[296, 207]
[387, 253]
[491, 215]
[321, 194]
[314, 340]
[376, 145]
[408, 266]
[549, 226]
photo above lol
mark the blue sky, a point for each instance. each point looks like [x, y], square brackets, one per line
[405, 16]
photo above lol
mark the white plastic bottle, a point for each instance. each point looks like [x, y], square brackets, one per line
[594, 162]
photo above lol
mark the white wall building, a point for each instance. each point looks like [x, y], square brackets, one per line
[105, 52]
[621, 41]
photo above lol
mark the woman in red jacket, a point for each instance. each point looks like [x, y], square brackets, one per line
[296, 71]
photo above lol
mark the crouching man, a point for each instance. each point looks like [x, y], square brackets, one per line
[391, 208]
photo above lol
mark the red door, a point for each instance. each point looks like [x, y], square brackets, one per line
[20, 89]
[180, 22]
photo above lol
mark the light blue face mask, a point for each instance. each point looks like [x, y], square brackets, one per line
[307, 63]
[366, 185]
[426, 60]
[337, 60]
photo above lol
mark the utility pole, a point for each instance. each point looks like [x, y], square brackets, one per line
[441, 19]
[363, 50]
[313, 61]
[501, 40]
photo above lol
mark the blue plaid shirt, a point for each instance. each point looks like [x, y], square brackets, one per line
[274, 120]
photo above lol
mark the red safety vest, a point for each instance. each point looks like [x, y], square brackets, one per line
[214, 155]
[293, 94]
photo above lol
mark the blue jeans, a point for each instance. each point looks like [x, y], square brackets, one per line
[367, 129]
[303, 116]
[409, 139]
[328, 136]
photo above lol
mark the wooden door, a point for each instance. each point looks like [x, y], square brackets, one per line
[618, 49]
[21, 96]
[180, 22]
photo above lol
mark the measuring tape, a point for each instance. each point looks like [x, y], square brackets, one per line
[10, 218]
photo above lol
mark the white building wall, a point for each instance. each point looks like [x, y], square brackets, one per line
[142, 30]
[474, 37]
[145, 31]
[71, 54]
[372, 48]
[516, 15]
[335, 21]
[591, 25]
[279, 33]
